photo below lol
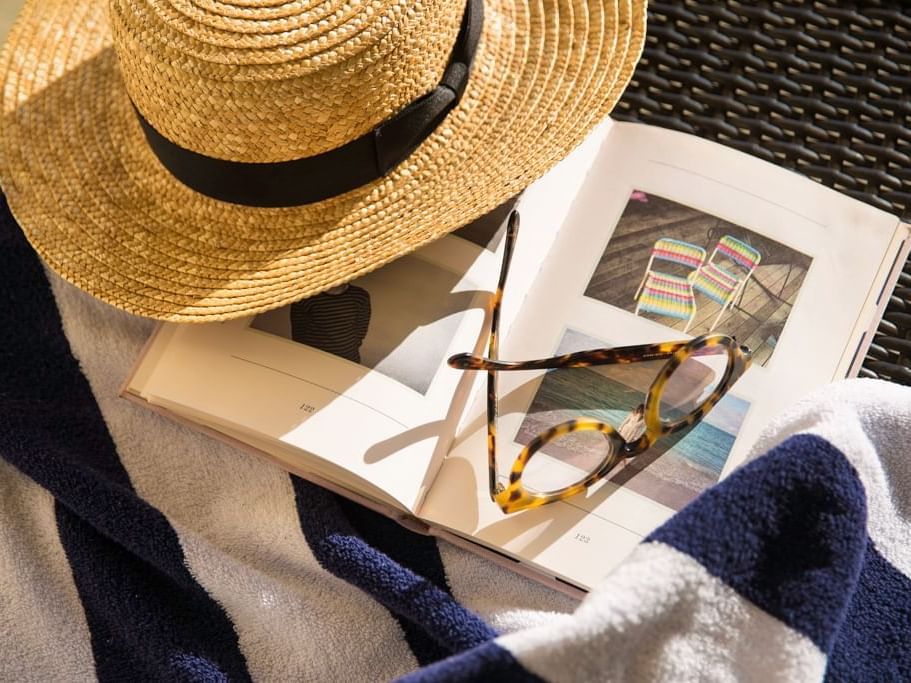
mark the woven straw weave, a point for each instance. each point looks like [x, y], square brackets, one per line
[817, 87]
[289, 83]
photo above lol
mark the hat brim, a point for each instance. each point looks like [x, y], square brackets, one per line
[104, 214]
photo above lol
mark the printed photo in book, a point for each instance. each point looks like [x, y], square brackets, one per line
[351, 387]
[699, 274]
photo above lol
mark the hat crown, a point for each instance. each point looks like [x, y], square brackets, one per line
[271, 80]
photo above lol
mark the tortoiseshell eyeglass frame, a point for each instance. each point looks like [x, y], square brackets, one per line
[515, 496]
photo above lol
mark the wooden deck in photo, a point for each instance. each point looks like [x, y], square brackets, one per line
[759, 330]
[758, 316]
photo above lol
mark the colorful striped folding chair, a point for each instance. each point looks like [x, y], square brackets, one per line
[667, 294]
[723, 284]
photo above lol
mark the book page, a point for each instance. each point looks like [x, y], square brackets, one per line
[671, 237]
[356, 377]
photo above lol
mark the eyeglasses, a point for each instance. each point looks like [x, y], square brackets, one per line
[696, 375]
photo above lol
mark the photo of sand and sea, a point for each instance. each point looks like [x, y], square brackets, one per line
[673, 471]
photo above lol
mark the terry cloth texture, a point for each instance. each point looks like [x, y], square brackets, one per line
[133, 547]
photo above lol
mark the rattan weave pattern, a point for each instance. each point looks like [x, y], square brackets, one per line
[823, 88]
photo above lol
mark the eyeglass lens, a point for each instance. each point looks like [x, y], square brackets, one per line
[692, 383]
[564, 395]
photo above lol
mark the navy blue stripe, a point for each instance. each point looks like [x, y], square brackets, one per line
[148, 617]
[874, 643]
[418, 553]
[787, 531]
[487, 662]
[340, 551]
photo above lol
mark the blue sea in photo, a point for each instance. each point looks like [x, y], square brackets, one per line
[705, 447]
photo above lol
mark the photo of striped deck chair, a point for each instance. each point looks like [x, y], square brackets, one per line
[670, 294]
[702, 273]
[724, 276]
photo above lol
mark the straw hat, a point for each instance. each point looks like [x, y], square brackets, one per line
[105, 105]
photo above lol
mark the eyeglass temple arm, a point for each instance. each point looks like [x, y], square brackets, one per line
[579, 359]
[512, 231]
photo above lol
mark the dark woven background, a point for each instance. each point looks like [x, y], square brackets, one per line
[817, 87]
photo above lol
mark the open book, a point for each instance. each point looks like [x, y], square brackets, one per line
[351, 388]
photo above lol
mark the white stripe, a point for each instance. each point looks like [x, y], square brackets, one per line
[505, 600]
[660, 616]
[870, 422]
[43, 630]
[237, 524]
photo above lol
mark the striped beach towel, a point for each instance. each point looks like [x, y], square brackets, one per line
[133, 548]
